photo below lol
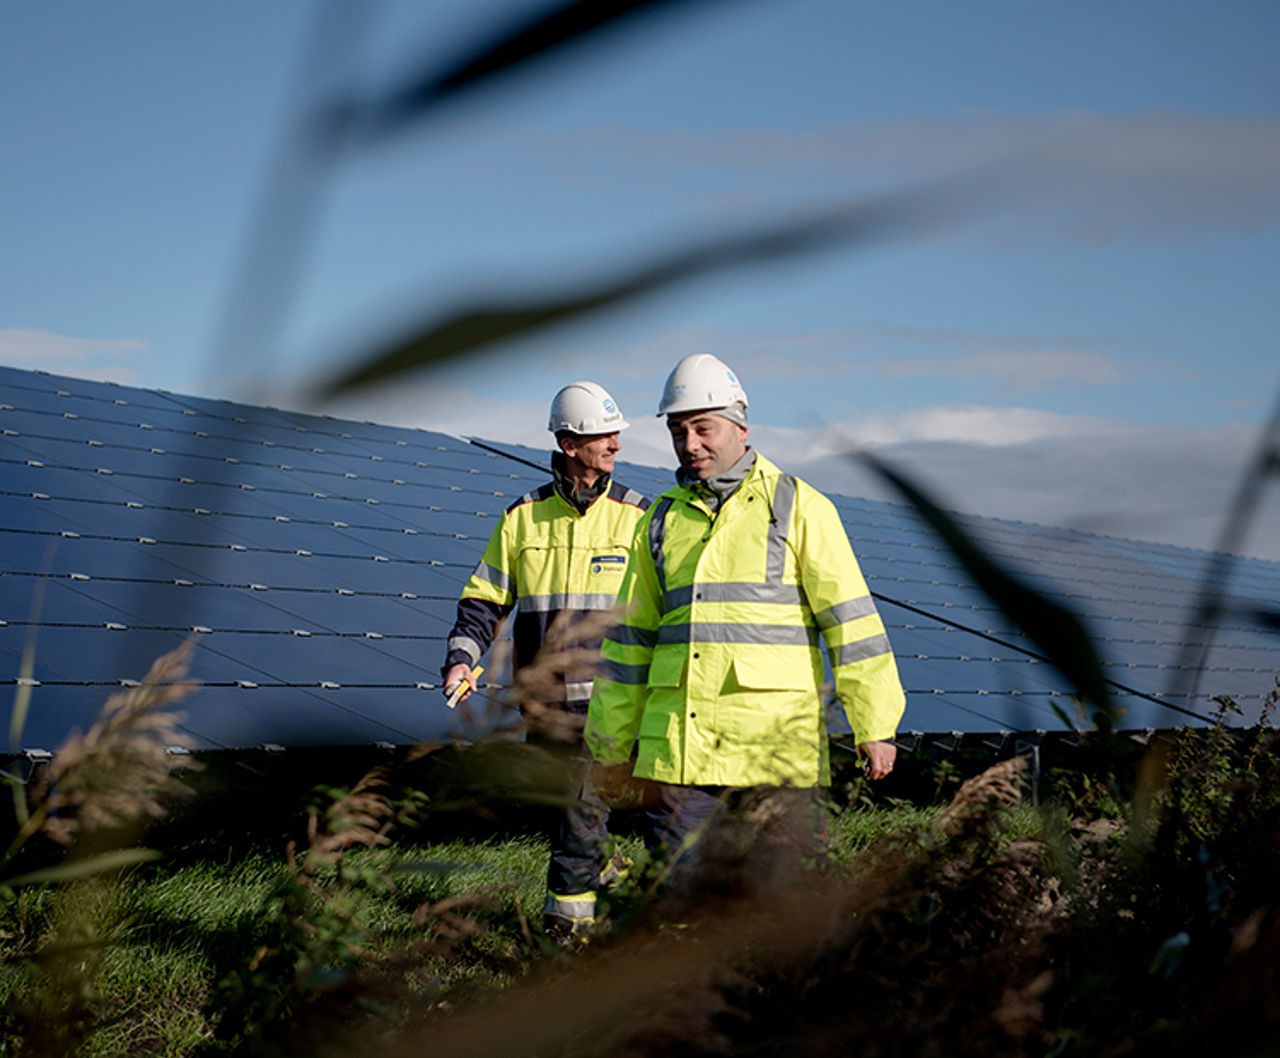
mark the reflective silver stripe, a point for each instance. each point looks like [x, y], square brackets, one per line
[632, 675]
[631, 636]
[726, 632]
[657, 537]
[861, 650]
[468, 645]
[580, 907]
[528, 497]
[498, 578]
[632, 497]
[577, 691]
[568, 601]
[784, 498]
[850, 610]
[734, 591]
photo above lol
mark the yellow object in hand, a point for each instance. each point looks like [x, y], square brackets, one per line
[464, 687]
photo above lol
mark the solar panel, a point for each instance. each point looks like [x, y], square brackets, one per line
[318, 561]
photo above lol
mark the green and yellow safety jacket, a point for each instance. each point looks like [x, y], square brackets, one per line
[714, 674]
[546, 557]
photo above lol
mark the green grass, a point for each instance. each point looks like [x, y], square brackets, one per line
[165, 935]
[211, 951]
[170, 935]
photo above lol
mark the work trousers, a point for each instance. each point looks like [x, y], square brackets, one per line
[769, 829]
[578, 829]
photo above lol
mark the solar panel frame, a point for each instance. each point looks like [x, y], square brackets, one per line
[315, 547]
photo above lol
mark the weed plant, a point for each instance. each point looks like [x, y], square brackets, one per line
[1134, 914]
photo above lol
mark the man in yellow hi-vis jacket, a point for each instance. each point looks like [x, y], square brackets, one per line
[738, 577]
[560, 550]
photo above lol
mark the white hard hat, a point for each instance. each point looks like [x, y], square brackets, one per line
[701, 382]
[585, 408]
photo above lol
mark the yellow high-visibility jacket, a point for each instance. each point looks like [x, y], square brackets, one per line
[546, 557]
[714, 674]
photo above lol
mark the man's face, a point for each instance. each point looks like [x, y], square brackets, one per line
[706, 444]
[592, 452]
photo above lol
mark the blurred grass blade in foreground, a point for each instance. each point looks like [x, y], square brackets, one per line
[547, 31]
[1058, 633]
[1211, 600]
[76, 869]
[902, 214]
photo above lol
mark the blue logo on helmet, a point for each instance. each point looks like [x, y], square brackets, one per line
[610, 407]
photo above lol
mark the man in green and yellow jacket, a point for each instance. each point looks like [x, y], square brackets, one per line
[739, 577]
[558, 553]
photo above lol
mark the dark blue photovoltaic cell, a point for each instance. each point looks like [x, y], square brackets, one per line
[270, 523]
[63, 602]
[57, 710]
[95, 654]
[231, 656]
[316, 717]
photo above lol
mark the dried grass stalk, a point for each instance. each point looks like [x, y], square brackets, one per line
[119, 772]
[362, 817]
[978, 798]
[568, 654]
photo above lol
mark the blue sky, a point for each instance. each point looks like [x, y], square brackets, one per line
[1097, 349]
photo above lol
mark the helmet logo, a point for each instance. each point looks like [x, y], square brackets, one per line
[729, 375]
[609, 406]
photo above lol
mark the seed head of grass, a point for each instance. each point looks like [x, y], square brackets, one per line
[568, 655]
[119, 772]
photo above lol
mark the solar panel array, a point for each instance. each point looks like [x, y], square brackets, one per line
[319, 562]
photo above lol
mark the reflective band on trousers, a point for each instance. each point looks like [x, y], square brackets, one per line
[578, 907]
[567, 601]
[575, 692]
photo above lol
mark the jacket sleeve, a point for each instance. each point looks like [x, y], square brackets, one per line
[621, 686]
[866, 674]
[489, 595]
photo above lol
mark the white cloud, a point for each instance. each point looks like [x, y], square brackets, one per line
[93, 358]
[1153, 482]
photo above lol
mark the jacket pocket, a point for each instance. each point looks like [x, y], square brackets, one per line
[754, 673]
[666, 668]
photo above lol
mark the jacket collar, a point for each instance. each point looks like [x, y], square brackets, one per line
[714, 491]
[578, 499]
[757, 475]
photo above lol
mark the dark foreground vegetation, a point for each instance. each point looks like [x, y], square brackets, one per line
[1134, 910]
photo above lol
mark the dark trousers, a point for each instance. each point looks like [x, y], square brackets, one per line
[772, 828]
[578, 828]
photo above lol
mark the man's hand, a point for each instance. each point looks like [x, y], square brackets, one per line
[460, 673]
[880, 757]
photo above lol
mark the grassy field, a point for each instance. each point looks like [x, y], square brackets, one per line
[167, 937]
[1134, 912]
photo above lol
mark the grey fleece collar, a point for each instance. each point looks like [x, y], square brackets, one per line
[714, 491]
